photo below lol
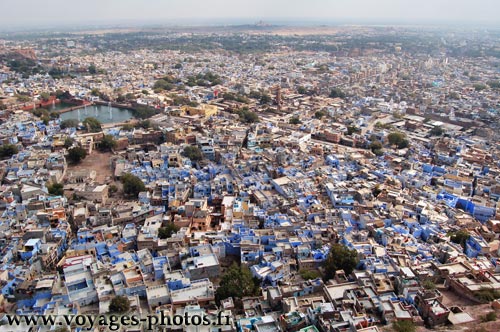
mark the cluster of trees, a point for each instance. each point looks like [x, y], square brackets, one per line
[119, 305]
[8, 150]
[398, 139]
[237, 282]
[45, 115]
[294, 120]
[69, 123]
[132, 185]
[319, 114]
[460, 237]
[143, 112]
[92, 124]
[337, 93]
[376, 148]
[437, 131]
[168, 230]
[228, 96]
[165, 83]
[193, 153]
[340, 257]
[247, 116]
[107, 143]
[206, 79]
[56, 189]
[76, 154]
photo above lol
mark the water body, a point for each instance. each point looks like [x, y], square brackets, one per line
[103, 113]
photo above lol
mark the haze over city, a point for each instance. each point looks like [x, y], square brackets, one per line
[33, 13]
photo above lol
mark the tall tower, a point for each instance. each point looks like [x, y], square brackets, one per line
[278, 97]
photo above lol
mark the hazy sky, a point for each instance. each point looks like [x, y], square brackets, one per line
[34, 12]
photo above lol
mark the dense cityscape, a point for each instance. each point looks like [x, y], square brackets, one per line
[313, 179]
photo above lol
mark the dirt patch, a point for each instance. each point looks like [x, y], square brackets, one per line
[98, 161]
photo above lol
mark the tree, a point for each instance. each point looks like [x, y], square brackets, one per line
[237, 282]
[340, 257]
[295, 120]
[107, 143]
[352, 129]
[8, 150]
[480, 86]
[92, 69]
[56, 189]
[309, 274]
[162, 84]
[337, 93]
[265, 99]
[248, 116]
[398, 139]
[69, 123]
[376, 146]
[193, 152]
[319, 114]
[95, 92]
[403, 326]
[132, 185]
[301, 90]
[68, 142]
[437, 131]
[460, 237]
[127, 127]
[92, 124]
[167, 231]
[45, 96]
[76, 154]
[119, 305]
[427, 284]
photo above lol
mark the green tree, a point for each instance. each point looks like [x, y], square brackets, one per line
[460, 237]
[132, 185]
[309, 274]
[95, 92]
[337, 93]
[68, 142]
[162, 85]
[23, 98]
[193, 152]
[92, 124]
[398, 139]
[237, 282]
[403, 326]
[56, 189]
[295, 120]
[340, 257]
[167, 231]
[319, 114]
[265, 99]
[76, 154]
[427, 284]
[45, 96]
[376, 146]
[69, 123]
[107, 143]
[248, 116]
[437, 131]
[480, 86]
[92, 69]
[119, 305]
[302, 90]
[127, 127]
[8, 150]
[352, 129]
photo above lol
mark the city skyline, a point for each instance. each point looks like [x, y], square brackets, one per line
[31, 14]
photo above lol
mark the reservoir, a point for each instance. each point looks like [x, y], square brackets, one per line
[103, 113]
